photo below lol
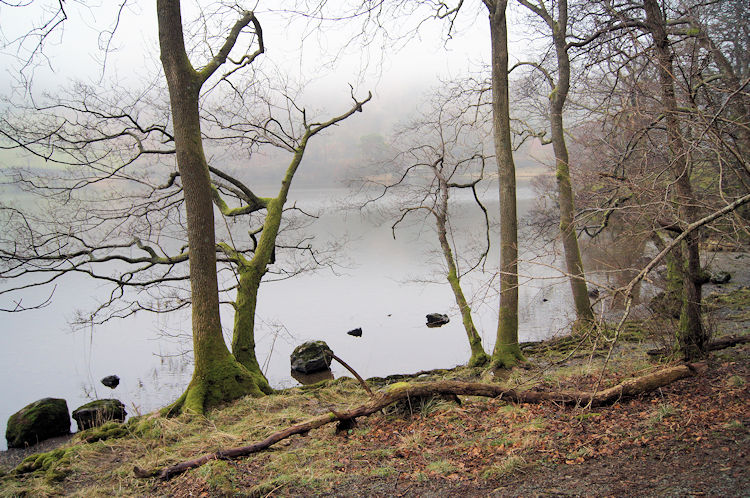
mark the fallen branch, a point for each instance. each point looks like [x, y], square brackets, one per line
[359, 379]
[400, 391]
[724, 342]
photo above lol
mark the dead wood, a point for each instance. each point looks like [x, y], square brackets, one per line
[397, 392]
[724, 342]
[353, 372]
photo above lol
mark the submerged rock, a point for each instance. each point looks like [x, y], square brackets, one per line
[40, 420]
[437, 320]
[98, 412]
[356, 332]
[111, 381]
[310, 357]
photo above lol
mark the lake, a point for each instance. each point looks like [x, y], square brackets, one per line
[382, 289]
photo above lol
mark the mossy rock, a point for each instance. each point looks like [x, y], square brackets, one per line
[98, 412]
[110, 430]
[310, 357]
[40, 420]
[43, 461]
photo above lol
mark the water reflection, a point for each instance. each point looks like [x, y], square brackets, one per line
[313, 378]
[613, 259]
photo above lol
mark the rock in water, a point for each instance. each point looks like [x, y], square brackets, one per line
[111, 381]
[437, 320]
[98, 412]
[356, 332]
[312, 356]
[42, 419]
[721, 277]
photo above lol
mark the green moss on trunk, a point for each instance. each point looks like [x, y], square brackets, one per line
[224, 381]
[507, 352]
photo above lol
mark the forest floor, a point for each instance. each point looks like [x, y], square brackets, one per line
[689, 438]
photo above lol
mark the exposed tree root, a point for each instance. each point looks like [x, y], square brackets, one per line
[404, 390]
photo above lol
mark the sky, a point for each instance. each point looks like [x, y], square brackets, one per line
[399, 71]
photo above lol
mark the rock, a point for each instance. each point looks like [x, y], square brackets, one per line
[721, 277]
[594, 293]
[42, 419]
[98, 412]
[437, 320]
[312, 356]
[356, 332]
[111, 381]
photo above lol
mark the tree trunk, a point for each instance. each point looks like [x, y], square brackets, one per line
[506, 352]
[217, 377]
[691, 336]
[478, 355]
[559, 95]
[252, 272]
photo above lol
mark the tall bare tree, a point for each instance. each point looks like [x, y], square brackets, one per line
[110, 209]
[507, 352]
[559, 83]
[440, 153]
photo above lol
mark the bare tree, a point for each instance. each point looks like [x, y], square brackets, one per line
[506, 352]
[559, 82]
[442, 152]
[132, 213]
[674, 137]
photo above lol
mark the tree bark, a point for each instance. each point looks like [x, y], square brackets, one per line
[400, 391]
[217, 377]
[691, 335]
[506, 352]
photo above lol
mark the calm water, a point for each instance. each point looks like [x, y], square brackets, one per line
[381, 290]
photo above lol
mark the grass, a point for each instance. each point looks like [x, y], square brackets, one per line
[663, 411]
[442, 467]
[509, 466]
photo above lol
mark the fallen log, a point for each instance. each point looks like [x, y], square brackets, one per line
[404, 390]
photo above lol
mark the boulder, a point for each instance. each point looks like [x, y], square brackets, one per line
[111, 381]
[312, 356]
[98, 412]
[42, 419]
[437, 320]
[721, 277]
[356, 332]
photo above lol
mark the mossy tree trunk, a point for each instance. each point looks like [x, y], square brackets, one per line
[507, 352]
[478, 355]
[251, 271]
[217, 377]
[557, 98]
[691, 335]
